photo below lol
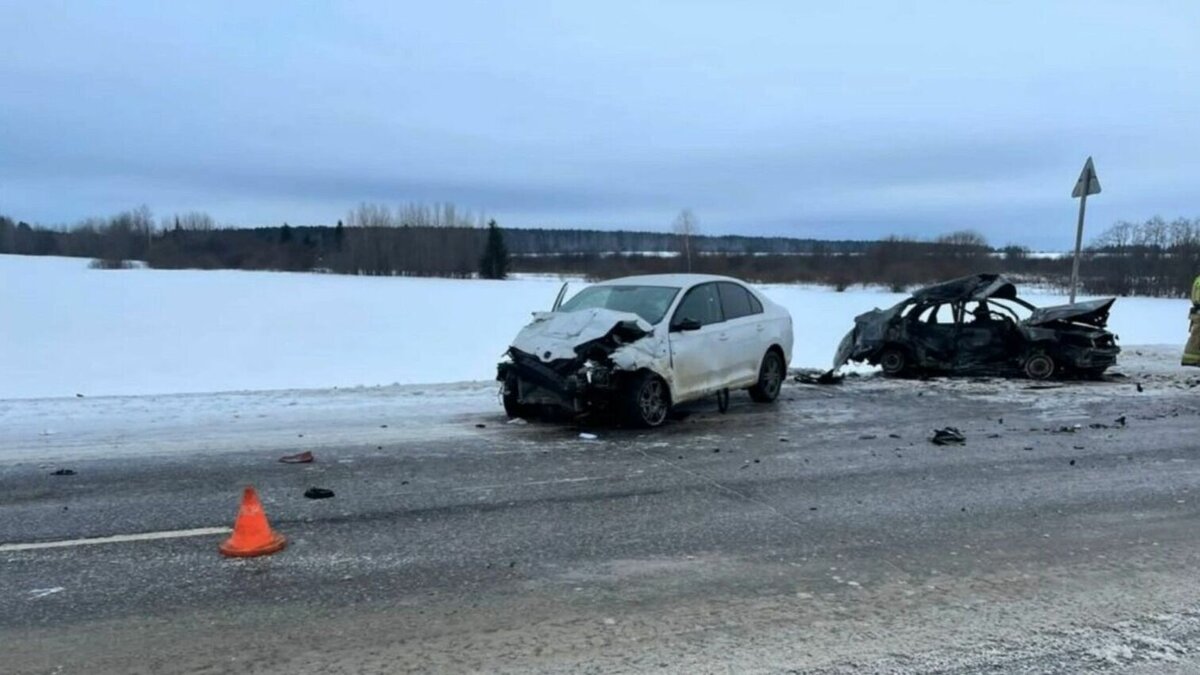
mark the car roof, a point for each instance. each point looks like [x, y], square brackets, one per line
[674, 280]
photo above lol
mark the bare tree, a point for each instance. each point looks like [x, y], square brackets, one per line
[686, 225]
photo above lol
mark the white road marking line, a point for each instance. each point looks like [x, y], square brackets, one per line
[115, 539]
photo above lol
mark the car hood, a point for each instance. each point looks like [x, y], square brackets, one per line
[1093, 313]
[556, 335]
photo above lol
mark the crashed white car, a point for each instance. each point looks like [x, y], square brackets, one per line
[637, 346]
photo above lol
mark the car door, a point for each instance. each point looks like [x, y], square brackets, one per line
[746, 329]
[697, 338]
[983, 338]
[933, 333]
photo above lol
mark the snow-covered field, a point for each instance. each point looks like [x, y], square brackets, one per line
[66, 329]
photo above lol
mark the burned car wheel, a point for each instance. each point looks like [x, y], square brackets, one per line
[770, 378]
[894, 362]
[647, 402]
[1039, 366]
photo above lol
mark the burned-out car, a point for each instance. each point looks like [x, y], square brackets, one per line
[639, 345]
[978, 325]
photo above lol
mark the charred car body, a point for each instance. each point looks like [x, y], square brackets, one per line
[978, 325]
[637, 346]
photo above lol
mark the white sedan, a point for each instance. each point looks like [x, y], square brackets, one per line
[639, 345]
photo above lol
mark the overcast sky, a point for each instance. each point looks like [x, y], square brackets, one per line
[843, 120]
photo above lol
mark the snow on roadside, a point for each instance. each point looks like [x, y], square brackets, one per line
[67, 329]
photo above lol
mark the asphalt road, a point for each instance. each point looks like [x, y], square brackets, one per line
[821, 534]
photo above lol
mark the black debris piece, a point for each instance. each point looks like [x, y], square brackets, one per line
[1140, 388]
[993, 435]
[893, 435]
[716, 449]
[867, 437]
[818, 377]
[78, 395]
[481, 426]
[1072, 462]
[948, 436]
[1120, 421]
[63, 472]
[318, 493]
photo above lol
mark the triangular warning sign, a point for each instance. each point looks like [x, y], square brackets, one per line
[1087, 181]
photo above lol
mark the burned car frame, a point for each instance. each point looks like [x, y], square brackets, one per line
[977, 325]
[638, 346]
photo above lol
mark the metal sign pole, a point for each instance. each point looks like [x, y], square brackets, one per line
[1078, 247]
[1087, 184]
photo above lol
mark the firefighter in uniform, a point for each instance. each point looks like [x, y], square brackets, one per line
[1191, 353]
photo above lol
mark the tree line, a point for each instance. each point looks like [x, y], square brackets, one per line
[1154, 257]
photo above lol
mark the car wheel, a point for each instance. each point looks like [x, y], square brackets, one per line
[770, 378]
[1039, 366]
[512, 405]
[894, 362]
[647, 401]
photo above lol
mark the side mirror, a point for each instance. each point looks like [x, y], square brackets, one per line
[686, 325]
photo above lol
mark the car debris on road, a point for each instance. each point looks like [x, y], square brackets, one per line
[948, 436]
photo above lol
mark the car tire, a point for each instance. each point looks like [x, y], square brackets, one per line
[771, 374]
[512, 405]
[894, 362]
[647, 401]
[1039, 366]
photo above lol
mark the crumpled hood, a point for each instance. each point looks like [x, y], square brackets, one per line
[555, 335]
[1093, 312]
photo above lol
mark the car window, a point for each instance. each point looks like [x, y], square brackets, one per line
[937, 314]
[649, 302]
[701, 304]
[736, 301]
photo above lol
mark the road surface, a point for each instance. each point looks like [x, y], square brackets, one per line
[822, 534]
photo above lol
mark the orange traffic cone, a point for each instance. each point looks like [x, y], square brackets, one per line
[252, 535]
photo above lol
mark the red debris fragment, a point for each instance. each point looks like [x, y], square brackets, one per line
[299, 458]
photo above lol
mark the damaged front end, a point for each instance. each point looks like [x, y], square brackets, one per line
[575, 362]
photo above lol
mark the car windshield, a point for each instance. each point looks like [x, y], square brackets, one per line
[648, 302]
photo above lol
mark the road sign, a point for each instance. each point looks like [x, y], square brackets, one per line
[1088, 184]
[1088, 178]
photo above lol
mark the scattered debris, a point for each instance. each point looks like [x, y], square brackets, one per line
[318, 493]
[1072, 462]
[716, 449]
[1120, 421]
[867, 437]
[893, 435]
[783, 439]
[948, 436]
[1140, 388]
[818, 377]
[305, 457]
[63, 472]
[993, 436]
[518, 421]
[481, 426]
[43, 592]
[588, 437]
[78, 395]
